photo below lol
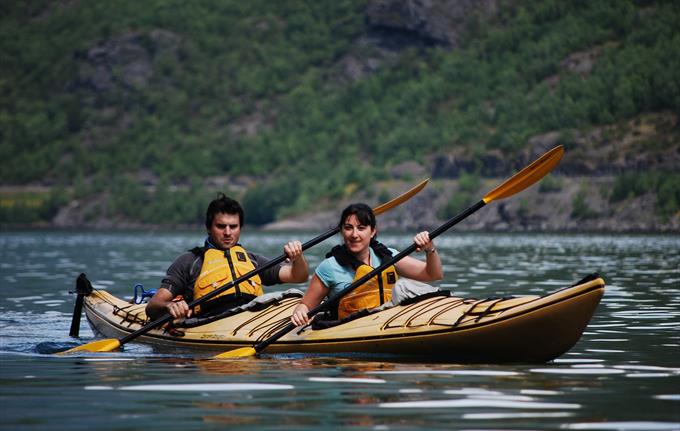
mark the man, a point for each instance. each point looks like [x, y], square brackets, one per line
[221, 260]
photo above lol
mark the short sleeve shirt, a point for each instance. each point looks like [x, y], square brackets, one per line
[336, 277]
[182, 274]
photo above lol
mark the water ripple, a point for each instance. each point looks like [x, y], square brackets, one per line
[453, 372]
[199, 387]
[477, 403]
[344, 380]
[627, 355]
[625, 426]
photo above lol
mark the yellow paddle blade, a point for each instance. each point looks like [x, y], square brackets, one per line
[243, 352]
[527, 176]
[107, 345]
[400, 199]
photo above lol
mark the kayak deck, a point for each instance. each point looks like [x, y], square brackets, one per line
[517, 329]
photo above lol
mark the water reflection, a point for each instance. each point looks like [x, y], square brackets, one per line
[627, 356]
[479, 402]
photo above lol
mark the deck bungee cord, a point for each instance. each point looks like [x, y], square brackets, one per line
[510, 329]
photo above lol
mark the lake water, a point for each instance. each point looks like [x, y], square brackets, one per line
[624, 373]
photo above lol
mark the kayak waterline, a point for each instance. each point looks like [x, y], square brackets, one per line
[530, 328]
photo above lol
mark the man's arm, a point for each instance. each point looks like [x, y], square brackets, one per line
[298, 270]
[177, 277]
[162, 302]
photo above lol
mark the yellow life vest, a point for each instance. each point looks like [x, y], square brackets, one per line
[375, 292]
[220, 267]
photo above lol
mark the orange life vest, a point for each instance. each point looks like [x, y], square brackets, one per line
[220, 267]
[376, 291]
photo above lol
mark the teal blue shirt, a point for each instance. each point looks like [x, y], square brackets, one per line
[336, 277]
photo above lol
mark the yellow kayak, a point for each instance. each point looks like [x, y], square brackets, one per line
[511, 329]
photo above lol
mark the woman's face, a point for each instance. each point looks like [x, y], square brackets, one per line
[357, 236]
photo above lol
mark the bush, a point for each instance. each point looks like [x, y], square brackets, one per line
[29, 207]
[666, 186]
[468, 185]
[668, 196]
[264, 89]
[263, 203]
[456, 203]
[580, 209]
[550, 184]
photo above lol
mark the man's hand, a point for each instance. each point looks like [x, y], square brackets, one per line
[162, 302]
[293, 250]
[178, 309]
[297, 271]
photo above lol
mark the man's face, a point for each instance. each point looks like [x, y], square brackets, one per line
[225, 230]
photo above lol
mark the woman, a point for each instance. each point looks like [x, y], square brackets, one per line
[359, 254]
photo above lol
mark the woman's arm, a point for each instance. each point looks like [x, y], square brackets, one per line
[315, 293]
[430, 270]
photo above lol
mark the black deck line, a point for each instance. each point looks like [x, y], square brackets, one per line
[186, 343]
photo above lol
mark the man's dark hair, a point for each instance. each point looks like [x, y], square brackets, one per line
[223, 205]
[363, 213]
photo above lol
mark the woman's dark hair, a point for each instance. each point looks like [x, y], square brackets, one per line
[223, 205]
[363, 213]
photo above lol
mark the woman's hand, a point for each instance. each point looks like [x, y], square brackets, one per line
[313, 296]
[423, 242]
[299, 317]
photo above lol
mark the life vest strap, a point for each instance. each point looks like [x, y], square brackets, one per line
[222, 267]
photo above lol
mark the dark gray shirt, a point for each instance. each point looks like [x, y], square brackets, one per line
[181, 276]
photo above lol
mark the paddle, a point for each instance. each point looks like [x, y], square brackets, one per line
[110, 344]
[518, 182]
[83, 288]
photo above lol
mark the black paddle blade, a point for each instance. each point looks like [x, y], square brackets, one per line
[83, 288]
[83, 285]
[52, 347]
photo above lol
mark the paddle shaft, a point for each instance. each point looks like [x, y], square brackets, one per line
[396, 258]
[75, 319]
[272, 263]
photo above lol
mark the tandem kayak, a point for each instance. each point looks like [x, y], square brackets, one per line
[440, 327]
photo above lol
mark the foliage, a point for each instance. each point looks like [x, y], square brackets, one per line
[263, 201]
[31, 207]
[468, 185]
[665, 185]
[159, 205]
[550, 184]
[580, 209]
[258, 88]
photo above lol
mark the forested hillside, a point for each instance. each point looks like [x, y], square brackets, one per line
[127, 113]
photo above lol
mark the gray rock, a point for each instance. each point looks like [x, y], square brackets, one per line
[427, 21]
